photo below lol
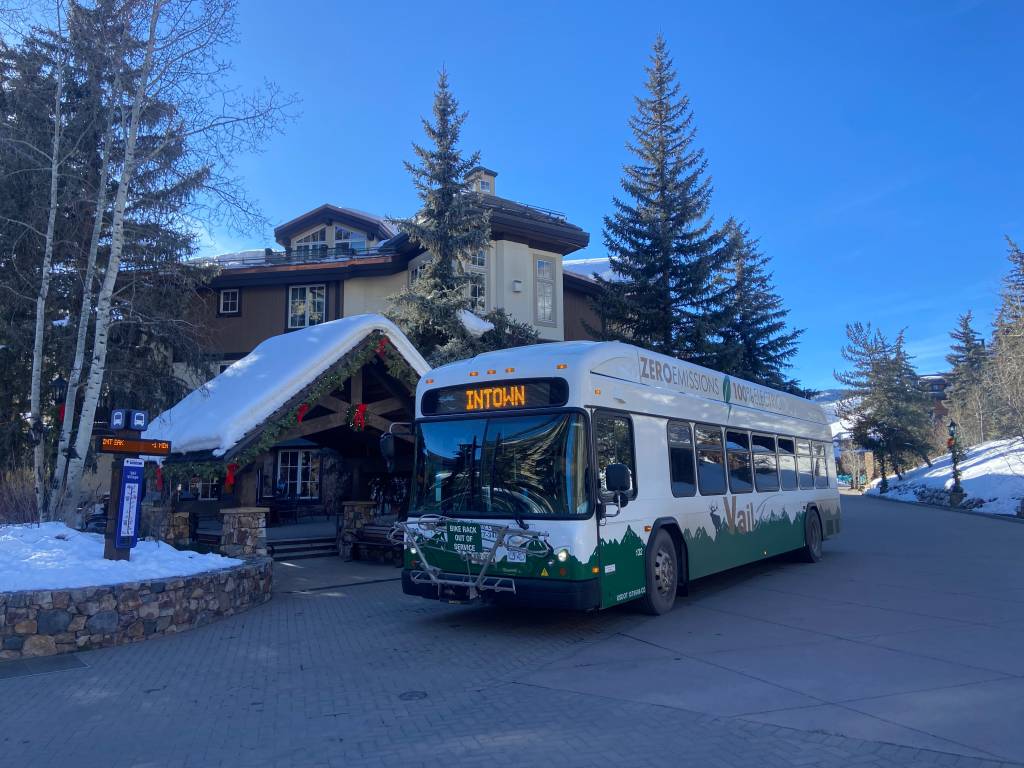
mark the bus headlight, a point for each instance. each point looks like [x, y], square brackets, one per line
[412, 550]
[562, 555]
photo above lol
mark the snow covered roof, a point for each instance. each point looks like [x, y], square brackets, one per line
[589, 267]
[219, 414]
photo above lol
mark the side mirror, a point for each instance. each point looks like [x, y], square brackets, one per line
[618, 478]
[387, 450]
[618, 481]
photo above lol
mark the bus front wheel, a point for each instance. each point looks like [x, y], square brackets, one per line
[811, 553]
[662, 575]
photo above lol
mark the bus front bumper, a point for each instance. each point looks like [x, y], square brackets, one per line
[543, 593]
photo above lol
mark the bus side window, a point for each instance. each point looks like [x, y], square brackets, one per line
[737, 448]
[710, 460]
[766, 464]
[680, 459]
[613, 442]
[787, 463]
[803, 457]
[820, 466]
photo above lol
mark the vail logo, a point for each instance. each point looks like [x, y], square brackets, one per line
[740, 519]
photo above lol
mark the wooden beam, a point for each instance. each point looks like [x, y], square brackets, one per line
[339, 419]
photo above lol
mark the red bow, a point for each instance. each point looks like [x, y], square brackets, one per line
[229, 481]
[159, 478]
[300, 414]
[359, 420]
[382, 346]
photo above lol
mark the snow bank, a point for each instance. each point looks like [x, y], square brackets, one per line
[474, 324]
[992, 476]
[220, 413]
[53, 556]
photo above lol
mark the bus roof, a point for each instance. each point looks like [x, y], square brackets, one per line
[624, 362]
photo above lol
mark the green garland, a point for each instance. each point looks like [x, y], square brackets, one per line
[271, 433]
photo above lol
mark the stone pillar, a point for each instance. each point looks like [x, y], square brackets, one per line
[179, 532]
[243, 531]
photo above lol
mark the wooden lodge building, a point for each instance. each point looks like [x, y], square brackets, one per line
[300, 394]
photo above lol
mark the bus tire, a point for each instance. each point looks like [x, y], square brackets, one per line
[662, 569]
[811, 552]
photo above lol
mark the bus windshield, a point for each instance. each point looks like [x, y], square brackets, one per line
[512, 467]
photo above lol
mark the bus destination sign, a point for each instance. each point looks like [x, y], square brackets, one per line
[497, 396]
[134, 447]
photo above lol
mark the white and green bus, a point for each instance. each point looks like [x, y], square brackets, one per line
[583, 475]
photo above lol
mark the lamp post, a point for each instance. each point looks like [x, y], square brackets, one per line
[954, 453]
[59, 391]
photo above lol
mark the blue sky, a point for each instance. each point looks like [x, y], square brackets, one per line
[875, 148]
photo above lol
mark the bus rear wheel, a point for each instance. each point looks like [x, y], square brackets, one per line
[662, 569]
[811, 553]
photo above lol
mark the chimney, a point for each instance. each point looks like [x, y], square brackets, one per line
[481, 180]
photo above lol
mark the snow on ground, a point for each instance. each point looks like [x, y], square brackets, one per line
[53, 556]
[992, 476]
[220, 413]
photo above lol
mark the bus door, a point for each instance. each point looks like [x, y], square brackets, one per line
[620, 533]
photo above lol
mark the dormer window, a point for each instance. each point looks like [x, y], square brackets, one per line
[312, 244]
[348, 241]
[484, 185]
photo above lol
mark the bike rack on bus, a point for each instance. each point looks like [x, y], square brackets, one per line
[513, 538]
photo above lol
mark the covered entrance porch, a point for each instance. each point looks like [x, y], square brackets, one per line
[306, 452]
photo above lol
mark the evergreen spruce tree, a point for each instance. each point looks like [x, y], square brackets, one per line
[967, 396]
[758, 344]
[1006, 361]
[451, 228]
[663, 248]
[889, 411]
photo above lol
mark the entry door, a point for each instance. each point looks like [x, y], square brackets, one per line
[621, 538]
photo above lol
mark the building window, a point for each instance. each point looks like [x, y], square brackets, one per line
[229, 301]
[313, 243]
[476, 271]
[298, 473]
[484, 185]
[347, 241]
[544, 278]
[204, 488]
[307, 305]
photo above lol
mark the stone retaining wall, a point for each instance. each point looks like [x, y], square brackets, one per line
[46, 622]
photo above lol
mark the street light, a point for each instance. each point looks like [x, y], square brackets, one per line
[954, 454]
[59, 390]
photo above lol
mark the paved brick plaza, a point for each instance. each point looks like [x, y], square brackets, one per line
[875, 642]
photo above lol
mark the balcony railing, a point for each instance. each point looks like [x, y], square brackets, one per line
[300, 255]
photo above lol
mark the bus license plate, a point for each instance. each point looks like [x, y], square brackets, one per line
[464, 537]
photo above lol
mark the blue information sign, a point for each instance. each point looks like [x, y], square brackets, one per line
[132, 478]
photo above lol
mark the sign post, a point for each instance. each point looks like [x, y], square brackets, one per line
[127, 479]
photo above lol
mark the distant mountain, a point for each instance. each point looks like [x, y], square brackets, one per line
[831, 396]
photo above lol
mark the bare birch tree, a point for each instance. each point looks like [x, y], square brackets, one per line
[35, 397]
[176, 75]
